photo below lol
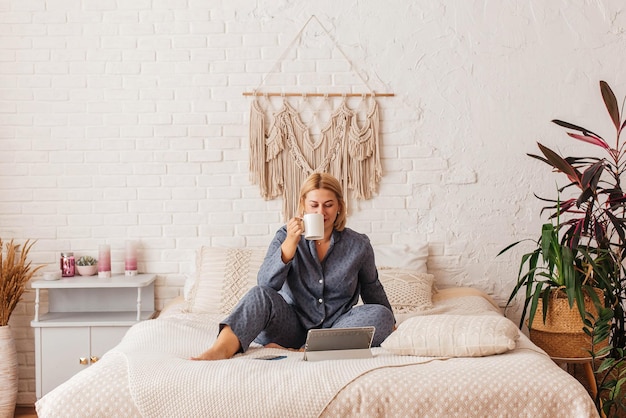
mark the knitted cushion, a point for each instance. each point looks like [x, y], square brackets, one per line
[453, 336]
[223, 276]
[408, 292]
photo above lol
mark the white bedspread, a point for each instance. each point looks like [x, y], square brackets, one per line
[222, 388]
[148, 374]
[520, 383]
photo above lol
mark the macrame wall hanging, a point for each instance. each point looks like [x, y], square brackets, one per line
[284, 150]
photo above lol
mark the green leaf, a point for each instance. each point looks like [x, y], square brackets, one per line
[508, 247]
[599, 336]
[568, 273]
[615, 392]
[603, 351]
[533, 305]
[606, 364]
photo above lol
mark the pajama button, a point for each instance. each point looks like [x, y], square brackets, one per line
[320, 300]
[321, 281]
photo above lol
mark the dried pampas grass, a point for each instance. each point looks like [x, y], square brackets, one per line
[15, 272]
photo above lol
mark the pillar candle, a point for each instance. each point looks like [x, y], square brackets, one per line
[104, 261]
[130, 258]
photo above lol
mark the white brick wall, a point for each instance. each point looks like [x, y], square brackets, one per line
[126, 119]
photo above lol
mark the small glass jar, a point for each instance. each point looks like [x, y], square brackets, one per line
[68, 265]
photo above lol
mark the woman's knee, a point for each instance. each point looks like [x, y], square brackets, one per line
[378, 316]
[368, 314]
[260, 294]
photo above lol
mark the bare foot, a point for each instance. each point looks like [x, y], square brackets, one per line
[213, 353]
[274, 345]
[225, 347]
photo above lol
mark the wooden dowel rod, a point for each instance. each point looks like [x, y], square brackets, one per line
[251, 93]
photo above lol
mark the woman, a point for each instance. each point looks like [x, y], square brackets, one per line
[306, 284]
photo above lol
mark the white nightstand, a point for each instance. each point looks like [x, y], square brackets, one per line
[87, 316]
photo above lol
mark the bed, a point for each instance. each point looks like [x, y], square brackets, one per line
[453, 354]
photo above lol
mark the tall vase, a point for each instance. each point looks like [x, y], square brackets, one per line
[8, 373]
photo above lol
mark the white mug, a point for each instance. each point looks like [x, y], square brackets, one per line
[313, 226]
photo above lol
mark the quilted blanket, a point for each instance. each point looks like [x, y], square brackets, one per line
[148, 374]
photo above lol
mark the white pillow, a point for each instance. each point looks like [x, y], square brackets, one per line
[407, 290]
[405, 257]
[189, 282]
[453, 336]
[223, 276]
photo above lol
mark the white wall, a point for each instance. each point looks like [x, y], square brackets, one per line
[126, 119]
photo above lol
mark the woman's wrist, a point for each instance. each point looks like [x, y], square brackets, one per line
[287, 251]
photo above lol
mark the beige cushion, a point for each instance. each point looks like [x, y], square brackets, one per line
[408, 292]
[453, 336]
[223, 276]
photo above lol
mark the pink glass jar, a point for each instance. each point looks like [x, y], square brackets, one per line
[68, 265]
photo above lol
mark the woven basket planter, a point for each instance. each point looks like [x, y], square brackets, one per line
[562, 334]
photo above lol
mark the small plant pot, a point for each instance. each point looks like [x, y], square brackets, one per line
[87, 270]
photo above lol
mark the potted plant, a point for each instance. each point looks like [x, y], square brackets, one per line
[594, 218]
[558, 284]
[87, 265]
[589, 245]
[15, 272]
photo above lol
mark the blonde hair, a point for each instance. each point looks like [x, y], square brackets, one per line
[325, 181]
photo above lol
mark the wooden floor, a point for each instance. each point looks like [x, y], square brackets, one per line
[25, 412]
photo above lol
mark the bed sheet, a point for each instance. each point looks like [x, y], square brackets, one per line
[142, 377]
